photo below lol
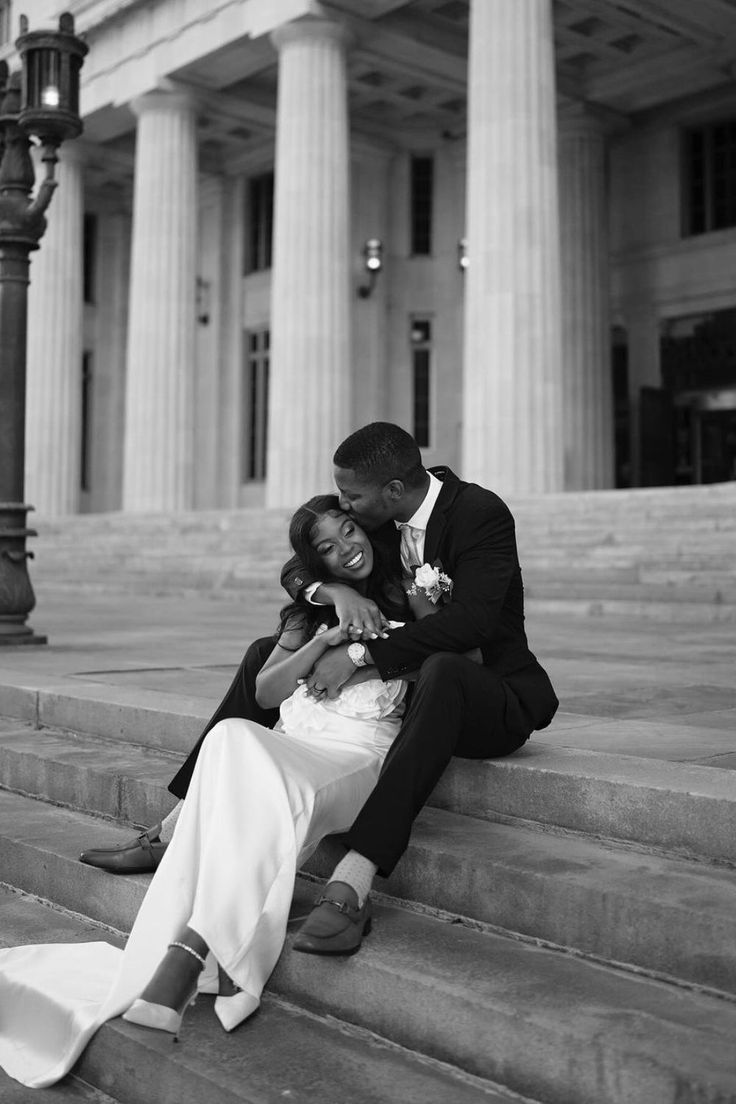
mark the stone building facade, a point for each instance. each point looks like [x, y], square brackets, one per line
[550, 189]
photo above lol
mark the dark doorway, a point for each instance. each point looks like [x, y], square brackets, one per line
[698, 362]
[717, 445]
[656, 438]
[621, 408]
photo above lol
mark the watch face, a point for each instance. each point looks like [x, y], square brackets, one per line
[356, 652]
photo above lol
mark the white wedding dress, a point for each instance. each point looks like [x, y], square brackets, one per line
[259, 803]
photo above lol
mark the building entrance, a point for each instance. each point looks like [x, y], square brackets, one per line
[688, 426]
[716, 430]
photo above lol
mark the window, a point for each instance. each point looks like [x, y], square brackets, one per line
[86, 423]
[89, 247]
[709, 155]
[255, 406]
[422, 189]
[259, 222]
[421, 358]
[6, 30]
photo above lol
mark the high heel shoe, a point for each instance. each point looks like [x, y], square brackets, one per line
[157, 1016]
[232, 1010]
[160, 1016]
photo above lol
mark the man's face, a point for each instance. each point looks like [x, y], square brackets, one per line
[371, 504]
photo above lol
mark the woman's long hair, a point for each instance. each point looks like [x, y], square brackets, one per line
[383, 588]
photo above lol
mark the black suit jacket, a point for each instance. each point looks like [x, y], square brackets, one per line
[471, 533]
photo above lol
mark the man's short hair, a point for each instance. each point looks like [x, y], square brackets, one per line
[380, 452]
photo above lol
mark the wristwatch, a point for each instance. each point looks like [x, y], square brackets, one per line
[356, 651]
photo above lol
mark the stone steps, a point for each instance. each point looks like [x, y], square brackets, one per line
[677, 807]
[513, 943]
[561, 926]
[564, 566]
[550, 1025]
[642, 608]
[72, 1091]
[586, 533]
[618, 904]
[287, 1053]
[658, 554]
[683, 598]
[651, 502]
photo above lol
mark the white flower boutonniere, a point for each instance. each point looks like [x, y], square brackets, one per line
[432, 581]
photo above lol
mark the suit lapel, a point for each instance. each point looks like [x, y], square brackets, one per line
[438, 518]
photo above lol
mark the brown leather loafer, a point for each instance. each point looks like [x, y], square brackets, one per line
[140, 856]
[336, 925]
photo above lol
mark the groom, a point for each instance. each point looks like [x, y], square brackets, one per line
[457, 707]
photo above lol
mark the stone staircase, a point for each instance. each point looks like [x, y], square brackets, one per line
[560, 930]
[666, 553]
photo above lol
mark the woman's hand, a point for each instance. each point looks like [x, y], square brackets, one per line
[360, 618]
[332, 637]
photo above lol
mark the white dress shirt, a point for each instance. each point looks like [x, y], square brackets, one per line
[414, 531]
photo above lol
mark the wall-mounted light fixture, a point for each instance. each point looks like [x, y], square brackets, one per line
[462, 254]
[203, 301]
[50, 82]
[373, 262]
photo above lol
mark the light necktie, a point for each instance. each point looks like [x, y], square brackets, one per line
[410, 556]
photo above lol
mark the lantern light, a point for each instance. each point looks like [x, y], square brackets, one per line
[50, 91]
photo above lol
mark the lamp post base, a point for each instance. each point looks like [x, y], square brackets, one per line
[16, 593]
[12, 636]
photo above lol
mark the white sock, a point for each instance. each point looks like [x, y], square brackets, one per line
[169, 823]
[356, 871]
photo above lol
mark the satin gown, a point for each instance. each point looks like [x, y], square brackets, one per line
[259, 803]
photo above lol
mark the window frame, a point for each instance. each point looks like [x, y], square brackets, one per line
[259, 222]
[421, 204]
[422, 376]
[86, 414]
[254, 405]
[701, 214]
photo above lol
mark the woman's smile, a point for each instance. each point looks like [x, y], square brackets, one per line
[354, 561]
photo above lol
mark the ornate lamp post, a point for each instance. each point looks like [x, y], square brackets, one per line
[42, 101]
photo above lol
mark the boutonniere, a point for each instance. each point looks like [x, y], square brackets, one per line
[431, 579]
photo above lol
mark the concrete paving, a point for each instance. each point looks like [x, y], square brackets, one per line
[627, 686]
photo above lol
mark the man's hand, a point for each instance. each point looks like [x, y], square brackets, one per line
[330, 673]
[359, 617]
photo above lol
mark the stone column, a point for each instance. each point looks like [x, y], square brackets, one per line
[55, 330]
[309, 401]
[586, 339]
[157, 455]
[110, 330]
[512, 400]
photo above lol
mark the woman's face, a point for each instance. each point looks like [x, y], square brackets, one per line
[343, 547]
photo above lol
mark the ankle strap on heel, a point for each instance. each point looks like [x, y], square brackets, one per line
[190, 950]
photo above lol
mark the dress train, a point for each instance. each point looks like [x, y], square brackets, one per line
[259, 803]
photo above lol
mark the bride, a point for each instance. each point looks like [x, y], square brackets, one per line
[215, 914]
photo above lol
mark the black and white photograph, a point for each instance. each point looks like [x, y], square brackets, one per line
[368, 551]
